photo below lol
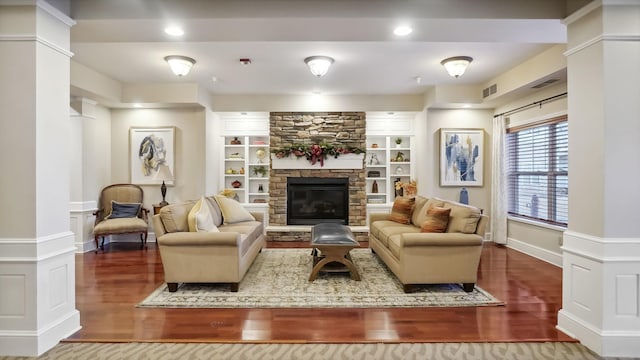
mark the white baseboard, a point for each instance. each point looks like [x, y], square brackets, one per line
[535, 251]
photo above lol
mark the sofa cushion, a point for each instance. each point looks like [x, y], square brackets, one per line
[174, 216]
[394, 245]
[437, 220]
[383, 230]
[402, 209]
[200, 217]
[249, 232]
[124, 210]
[420, 215]
[463, 218]
[420, 201]
[216, 213]
[232, 211]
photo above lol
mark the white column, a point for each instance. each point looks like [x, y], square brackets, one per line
[81, 207]
[601, 252]
[37, 264]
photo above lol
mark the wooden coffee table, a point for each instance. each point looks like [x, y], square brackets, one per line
[333, 242]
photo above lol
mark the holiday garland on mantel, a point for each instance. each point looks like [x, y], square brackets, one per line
[316, 152]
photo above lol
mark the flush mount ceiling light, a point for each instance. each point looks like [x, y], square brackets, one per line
[180, 65]
[456, 65]
[174, 30]
[318, 65]
[402, 30]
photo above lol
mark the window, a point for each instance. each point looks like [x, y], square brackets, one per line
[537, 171]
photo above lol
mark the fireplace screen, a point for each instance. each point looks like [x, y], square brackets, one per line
[312, 201]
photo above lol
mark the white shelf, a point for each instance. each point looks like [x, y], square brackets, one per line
[245, 158]
[386, 152]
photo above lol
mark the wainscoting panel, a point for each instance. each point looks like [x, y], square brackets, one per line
[81, 223]
[601, 293]
[39, 310]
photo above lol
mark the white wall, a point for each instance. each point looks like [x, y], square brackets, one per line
[462, 118]
[190, 138]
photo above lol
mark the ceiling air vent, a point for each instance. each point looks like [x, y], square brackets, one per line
[544, 83]
[489, 91]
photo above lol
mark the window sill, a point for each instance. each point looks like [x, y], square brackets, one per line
[537, 223]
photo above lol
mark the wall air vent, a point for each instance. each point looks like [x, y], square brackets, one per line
[489, 91]
[544, 83]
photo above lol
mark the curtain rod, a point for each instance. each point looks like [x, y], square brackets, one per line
[539, 102]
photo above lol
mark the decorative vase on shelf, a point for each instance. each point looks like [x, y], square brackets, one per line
[261, 155]
[236, 184]
[399, 190]
[236, 141]
[374, 187]
[260, 188]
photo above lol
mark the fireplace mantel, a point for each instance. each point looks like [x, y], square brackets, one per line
[345, 161]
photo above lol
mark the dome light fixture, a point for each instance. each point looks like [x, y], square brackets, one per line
[402, 30]
[319, 65]
[180, 65]
[174, 30]
[456, 65]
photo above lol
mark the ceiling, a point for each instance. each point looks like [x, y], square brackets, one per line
[124, 40]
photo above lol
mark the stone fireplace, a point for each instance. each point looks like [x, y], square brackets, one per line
[315, 200]
[287, 128]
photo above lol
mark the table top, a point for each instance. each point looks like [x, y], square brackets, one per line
[332, 234]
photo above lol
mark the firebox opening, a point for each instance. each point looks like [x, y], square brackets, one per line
[314, 200]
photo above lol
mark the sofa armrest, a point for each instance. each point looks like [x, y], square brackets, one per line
[440, 239]
[378, 217]
[199, 239]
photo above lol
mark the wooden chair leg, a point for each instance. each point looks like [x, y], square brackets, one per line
[97, 246]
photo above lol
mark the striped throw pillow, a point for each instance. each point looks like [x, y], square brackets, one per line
[402, 209]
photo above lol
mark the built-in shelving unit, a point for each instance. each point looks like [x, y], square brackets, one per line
[386, 162]
[246, 167]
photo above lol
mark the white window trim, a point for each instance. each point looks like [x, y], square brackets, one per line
[536, 223]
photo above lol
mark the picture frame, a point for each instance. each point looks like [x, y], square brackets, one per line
[461, 157]
[150, 147]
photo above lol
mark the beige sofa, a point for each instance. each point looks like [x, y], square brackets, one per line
[417, 257]
[223, 256]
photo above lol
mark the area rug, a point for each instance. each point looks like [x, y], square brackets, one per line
[279, 278]
[403, 351]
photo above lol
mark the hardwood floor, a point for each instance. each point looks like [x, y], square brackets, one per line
[110, 284]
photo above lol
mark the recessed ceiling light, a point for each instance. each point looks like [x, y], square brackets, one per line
[466, 106]
[402, 30]
[174, 30]
[137, 105]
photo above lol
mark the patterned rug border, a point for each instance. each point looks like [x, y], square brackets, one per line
[346, 293]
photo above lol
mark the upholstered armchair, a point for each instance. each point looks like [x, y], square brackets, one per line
[120, 211]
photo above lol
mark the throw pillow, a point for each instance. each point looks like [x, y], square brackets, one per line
[401, 210]
[200, 218]
[217, 214]
[420, 213]
[232, 211]
[437, 220]
[124, 210]
[464, 218]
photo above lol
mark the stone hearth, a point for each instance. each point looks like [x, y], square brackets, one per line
[288, 128]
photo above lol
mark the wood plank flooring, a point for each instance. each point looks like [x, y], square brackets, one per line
[110, 284]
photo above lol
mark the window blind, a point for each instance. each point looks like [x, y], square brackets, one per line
[537, 171]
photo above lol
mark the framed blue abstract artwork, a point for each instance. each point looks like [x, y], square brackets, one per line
[461, 157]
